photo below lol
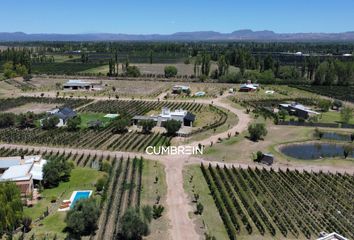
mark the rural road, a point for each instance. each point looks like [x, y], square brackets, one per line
[178, 203]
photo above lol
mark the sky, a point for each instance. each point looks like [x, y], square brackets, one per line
[167, 16]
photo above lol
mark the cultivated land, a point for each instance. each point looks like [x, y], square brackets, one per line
[247, 192]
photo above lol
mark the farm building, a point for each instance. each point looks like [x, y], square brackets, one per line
[183, 116]
[177, 89]
[199, 94]
[248, 87]
[24, 171]
[82, 85]
[63, 114]
[267, 159]
[298, 110]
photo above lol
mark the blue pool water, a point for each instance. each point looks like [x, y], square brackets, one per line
[78, 196]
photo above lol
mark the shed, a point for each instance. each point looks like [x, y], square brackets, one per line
[267, 159]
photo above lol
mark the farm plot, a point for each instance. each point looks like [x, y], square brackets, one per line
[11, 103]
[131, 108]
[87, 138]
[345, 93]
[123, 192]
[284, 204]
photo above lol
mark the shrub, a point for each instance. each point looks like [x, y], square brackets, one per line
[157, 211]
[172, 126]
[120, 125]
[147, 125]
[133, 225]
[346, 113]
[170, 71]
[82, 219]
[257, 131]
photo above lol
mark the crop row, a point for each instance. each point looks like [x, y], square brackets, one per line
[6, 104]
[345, 93]
[135, 107]
[283, 203]
[91, 139]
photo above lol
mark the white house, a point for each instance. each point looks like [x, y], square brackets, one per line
[23, 171]
[166, 114]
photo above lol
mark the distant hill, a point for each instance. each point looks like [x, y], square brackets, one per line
[240, 35]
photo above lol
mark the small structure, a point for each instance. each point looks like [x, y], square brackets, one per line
[199, 94]
[331, 236]
[187, 118]
[248, 87]
[82, 85]
[24, 171]
[95, 124]
[111, 115]
[63, 114]
[347, 55]
[267, 159]
[298, 110]
[178, 89]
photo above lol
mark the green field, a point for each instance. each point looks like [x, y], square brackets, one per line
[88, 117]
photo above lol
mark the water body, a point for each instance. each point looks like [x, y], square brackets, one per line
[336, 136]
[311, 151]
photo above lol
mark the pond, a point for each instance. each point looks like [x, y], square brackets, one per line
[336, 136]
[310, 151]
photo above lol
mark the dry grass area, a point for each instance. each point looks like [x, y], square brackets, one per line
[32, 107]
[240, 149]
[123, 88]
[7, 90]
[155, 68]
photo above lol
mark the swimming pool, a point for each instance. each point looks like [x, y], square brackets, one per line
[77, 195]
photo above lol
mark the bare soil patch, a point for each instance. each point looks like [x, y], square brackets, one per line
[32, 107]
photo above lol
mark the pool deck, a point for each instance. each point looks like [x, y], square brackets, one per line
[72, 197]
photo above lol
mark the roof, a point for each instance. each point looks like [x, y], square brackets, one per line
[331, 236]
[298, 106]
[251, 86]
[182, 87]
[72, 83]
[199, 93]
[37, 170]
[6, 163]
[65, 113]
[189, 117]
[138, 117]
[17, 173]
[111, 115]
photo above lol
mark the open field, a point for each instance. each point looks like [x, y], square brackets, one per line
[158, 68]
[32, 107]
[13, 103]
[262, 204]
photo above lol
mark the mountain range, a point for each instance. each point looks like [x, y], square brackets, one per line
[240, 35]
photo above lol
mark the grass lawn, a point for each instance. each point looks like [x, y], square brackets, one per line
[332, 117]
[64, 58]
[210, 221]
[81, 179]
[87, 117]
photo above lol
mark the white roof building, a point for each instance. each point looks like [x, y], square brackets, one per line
[26, 167]
[331, 236]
